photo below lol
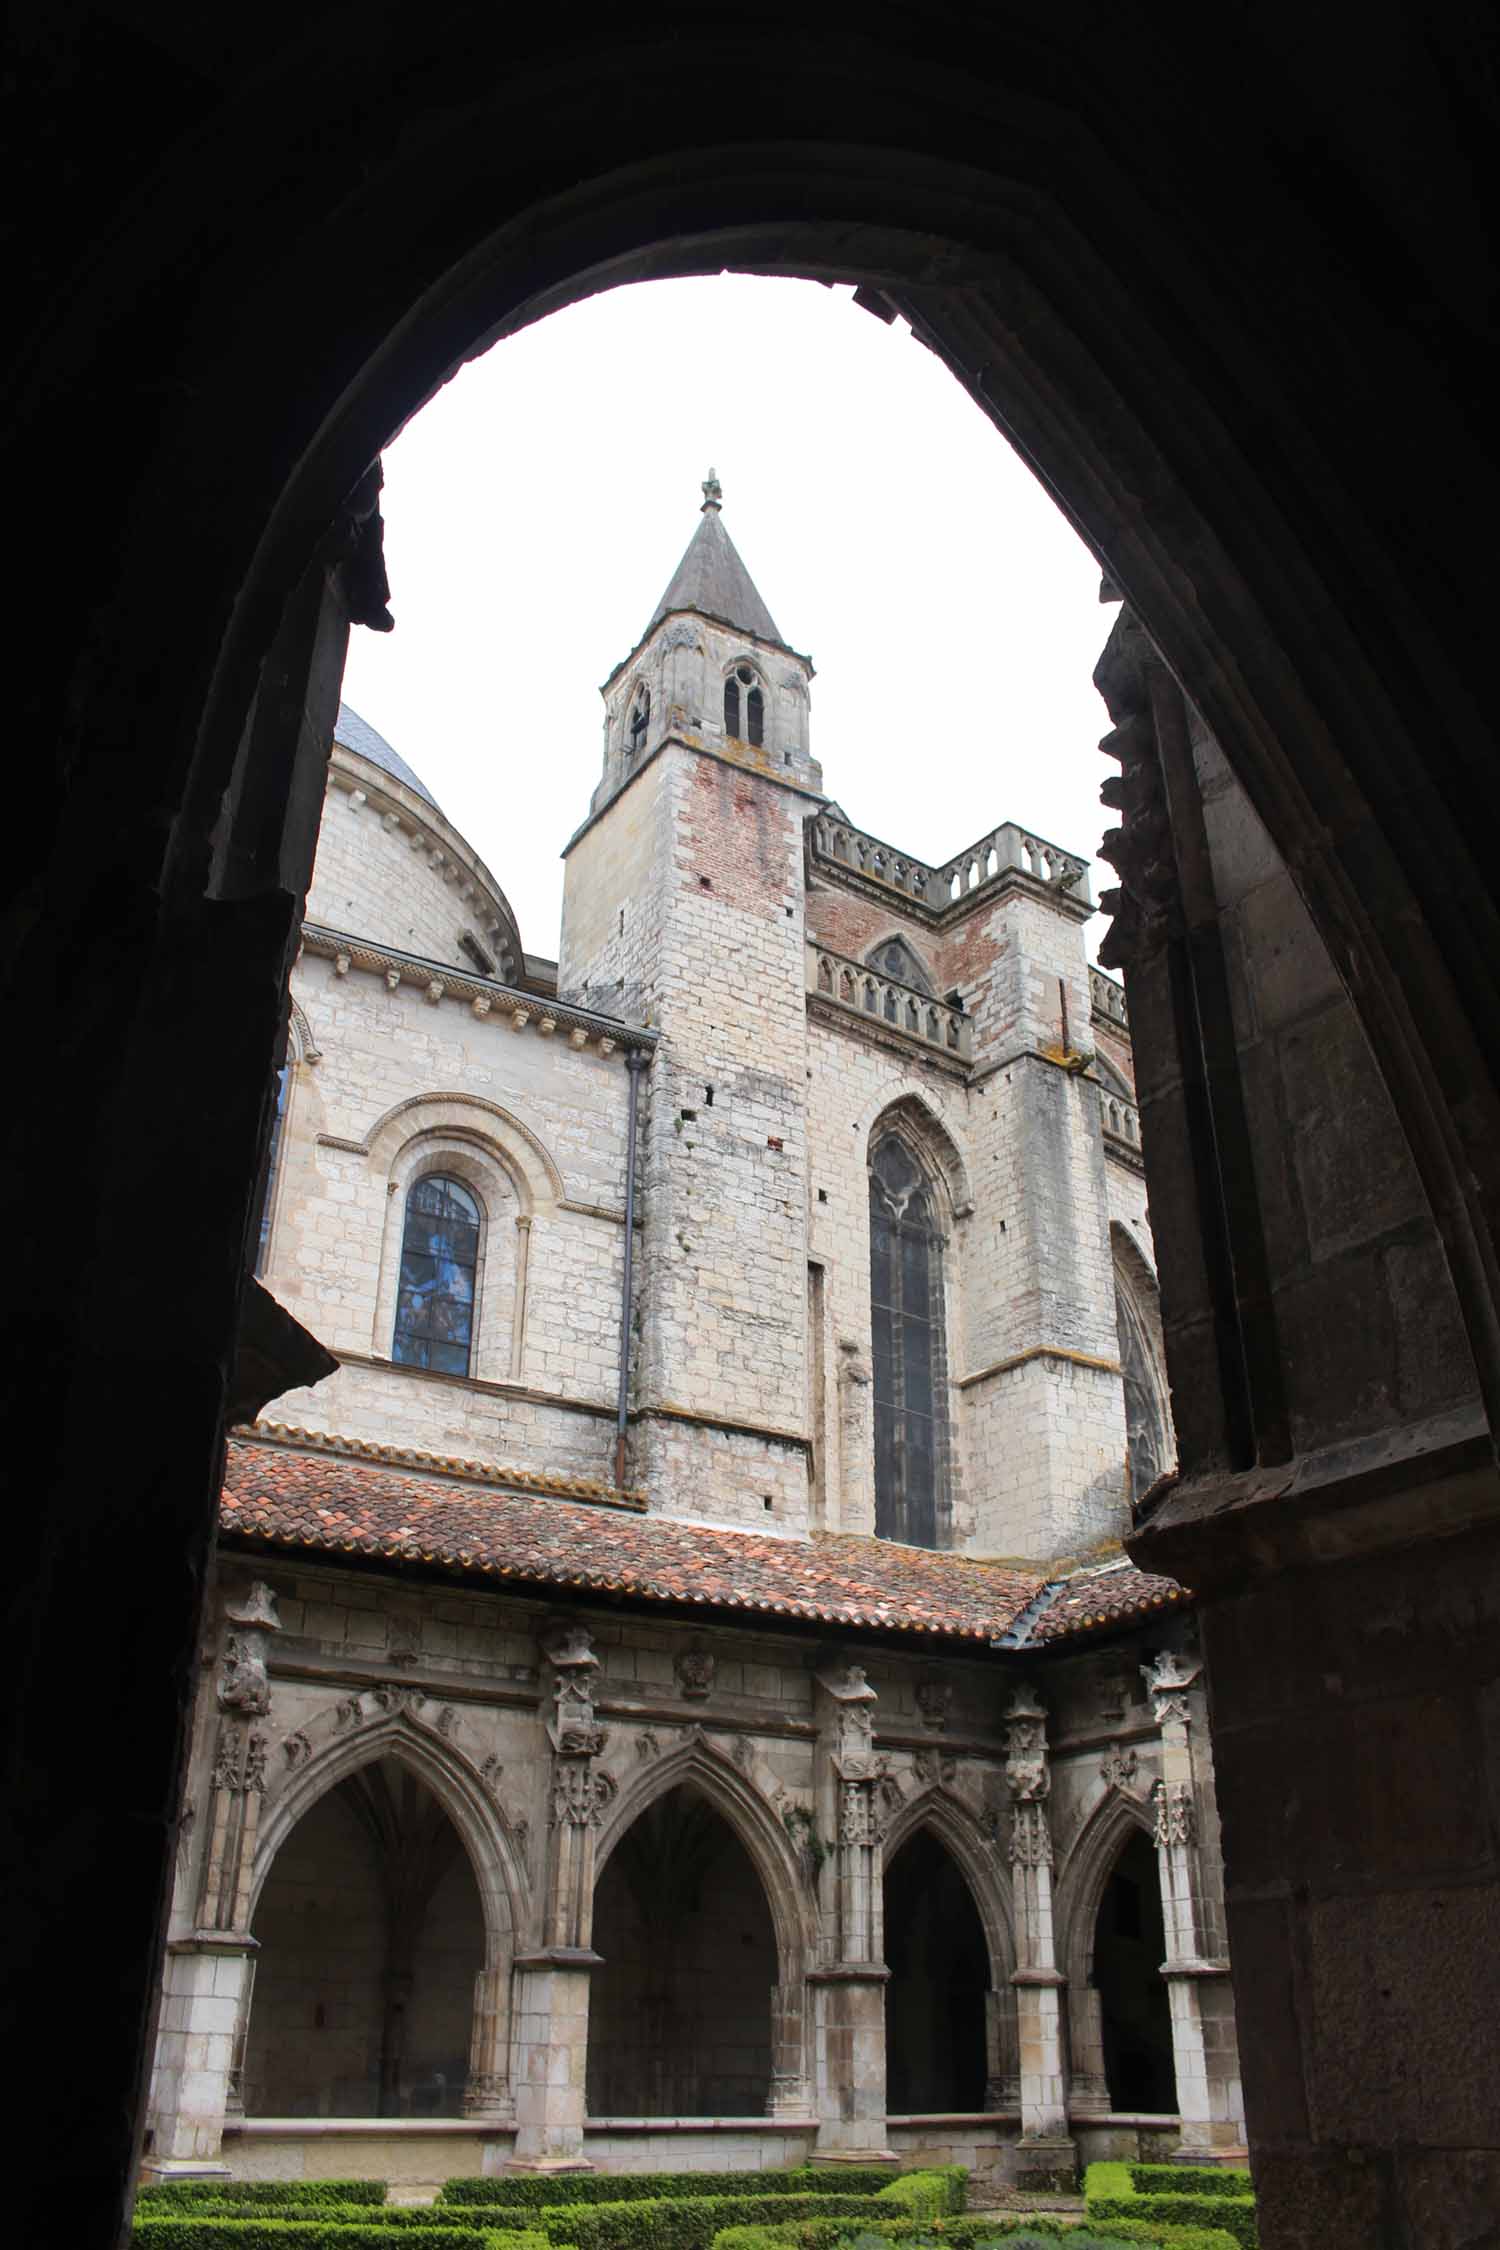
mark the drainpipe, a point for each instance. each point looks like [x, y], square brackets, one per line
[635, 1062]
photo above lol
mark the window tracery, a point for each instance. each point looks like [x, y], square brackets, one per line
[439, 1264]
[907, 1349]
[893, 957]
[744, 701]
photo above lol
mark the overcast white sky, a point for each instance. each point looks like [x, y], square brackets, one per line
[537, 508]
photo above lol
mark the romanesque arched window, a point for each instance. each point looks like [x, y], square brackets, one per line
[439, 1260]
[742, 687]
[907, 1352]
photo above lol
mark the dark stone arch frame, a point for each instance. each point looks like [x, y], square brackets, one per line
[1314, 560]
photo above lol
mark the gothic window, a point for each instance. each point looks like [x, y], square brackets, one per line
[435, 1294]
[893, 957]
[273, 1157]
[742, 682]
[1148, 1436]
[907, 1352]
[640, 720]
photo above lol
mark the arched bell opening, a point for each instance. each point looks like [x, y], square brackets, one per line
[1134, 2006]
[370, 1935]
[680, 2012]
[935, 2001]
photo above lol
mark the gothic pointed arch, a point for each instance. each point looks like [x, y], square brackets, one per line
[740, 1804]
[1117, 1815]
[957, 1828]
[383, 1901]
[945, 2002]
[1151, 1445]
[914, 1118]
[492, 1845]
[895, 956]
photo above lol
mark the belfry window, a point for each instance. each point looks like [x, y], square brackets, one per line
[435, 1295]
[640, 720]
[907, 1350]
[742, 683]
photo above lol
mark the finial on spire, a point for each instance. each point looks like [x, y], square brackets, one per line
[713, 493]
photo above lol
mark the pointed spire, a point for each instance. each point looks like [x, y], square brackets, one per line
[712, 580]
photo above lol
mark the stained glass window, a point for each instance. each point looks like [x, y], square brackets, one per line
[439, 1257]
[906, 1320]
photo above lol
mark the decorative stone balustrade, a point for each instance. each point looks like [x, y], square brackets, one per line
[1006, 850]
[858, 988]
[1107, 999]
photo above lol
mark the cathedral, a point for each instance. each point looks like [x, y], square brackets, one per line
[674, 1695]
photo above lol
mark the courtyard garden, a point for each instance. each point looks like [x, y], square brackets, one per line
[1126, 2206]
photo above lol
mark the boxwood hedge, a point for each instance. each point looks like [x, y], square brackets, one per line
[629, 2187]
[168, 2194]
[267, 2230]
[1110, 2194]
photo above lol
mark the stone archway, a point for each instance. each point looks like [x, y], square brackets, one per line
[1118, 1824]
[357, 1835]
[370, 1931]
[681, 2012]
[338, 218]
[946, 1817]
[939, 1996]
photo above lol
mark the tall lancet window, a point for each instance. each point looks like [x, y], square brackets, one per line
[439, 1260]
[640, 721]
[907, 1350]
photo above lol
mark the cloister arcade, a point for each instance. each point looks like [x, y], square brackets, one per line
[392, 1916]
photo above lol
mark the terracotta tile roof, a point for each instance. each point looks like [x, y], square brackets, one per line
[1096, 1598]
[336, 1506]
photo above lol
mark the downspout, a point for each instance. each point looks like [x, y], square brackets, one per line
[635, 1062]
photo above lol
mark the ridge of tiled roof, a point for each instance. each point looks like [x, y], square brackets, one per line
[1093, 1599]
[323, 1503]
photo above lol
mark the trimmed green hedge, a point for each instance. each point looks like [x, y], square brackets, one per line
[963, 2234]
[690, 2222]
[1190, 2179]
[169, 2194]
[269, 2231]
[396, 2218]
[522, 2189]
[1110, 2194]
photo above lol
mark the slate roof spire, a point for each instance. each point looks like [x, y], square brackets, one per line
[712, 580]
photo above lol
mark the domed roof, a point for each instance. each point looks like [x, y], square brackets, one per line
[358, 735]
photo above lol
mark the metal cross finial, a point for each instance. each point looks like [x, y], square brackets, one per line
[713, 492]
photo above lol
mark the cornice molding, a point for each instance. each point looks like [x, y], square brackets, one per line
[484, 996]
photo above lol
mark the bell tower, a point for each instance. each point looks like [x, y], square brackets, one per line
[683, 909]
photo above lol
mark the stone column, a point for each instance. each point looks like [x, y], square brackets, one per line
[206, 1985]
[1204, 2055]
[552, 1984]
[1046, 2157]
[487, 2087]
[849, 1988]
